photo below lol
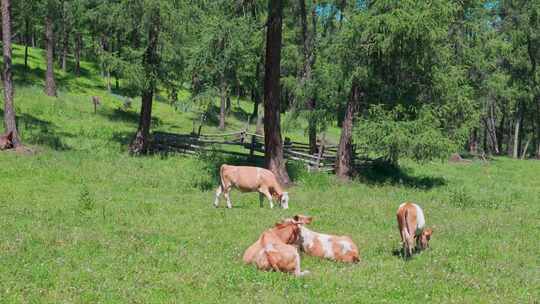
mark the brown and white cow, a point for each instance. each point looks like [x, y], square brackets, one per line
[273, 252]
[411, 224]
[6, 141]
[337, 248]
[250, 179]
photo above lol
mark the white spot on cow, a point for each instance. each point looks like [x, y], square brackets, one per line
[269, 248]
[308, 237]
[402, 205]
[420, 220]
[345, 246]
[326, 241]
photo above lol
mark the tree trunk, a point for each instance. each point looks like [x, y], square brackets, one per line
[259, 129]
[538, 126]
[517, 134]
[485, 139]
[473, 141]
[228, 108]
[312, 127]
[65, 49]
[223, 104]
[309, 61]
[108, 76]
[50, 84]
[255, 92]
[344, 155]
[256, 101]
[492, 128]
[26, 41]
[141, 142]
[78, 47]
[273, 143]
[7, 76]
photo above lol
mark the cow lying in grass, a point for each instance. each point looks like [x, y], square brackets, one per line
[337, 248]
[6, 141]
[250, 179]
[411, 224]
[273, 252]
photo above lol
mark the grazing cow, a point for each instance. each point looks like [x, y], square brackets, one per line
[273, 252]
[250, 179]
[337, 248]
[411, 223]
[6, 141]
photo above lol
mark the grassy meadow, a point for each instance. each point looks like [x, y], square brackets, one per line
[81, 221]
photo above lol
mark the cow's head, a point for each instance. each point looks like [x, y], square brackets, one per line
[6, 141]
[304, 219]
[425, 237]
[284, 200]
[288, 230]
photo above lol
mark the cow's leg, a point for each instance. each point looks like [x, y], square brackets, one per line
[268, 196]
[297, 271]
[405, 241]
[226, 194]
[261, 199]
[411, 231]
[218, 194]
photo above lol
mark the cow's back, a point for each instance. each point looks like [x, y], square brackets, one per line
[247, 178]
[407, 217]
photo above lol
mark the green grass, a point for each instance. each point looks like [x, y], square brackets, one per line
[83, 222]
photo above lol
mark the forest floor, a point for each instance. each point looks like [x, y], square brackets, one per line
[81, 221]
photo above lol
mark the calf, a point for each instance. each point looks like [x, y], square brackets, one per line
[250, 179]
[411, 222]
[337, 248]
[273, 252]
[6, 141]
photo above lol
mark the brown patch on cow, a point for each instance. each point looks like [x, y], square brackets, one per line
[316, 248]
[304, 219]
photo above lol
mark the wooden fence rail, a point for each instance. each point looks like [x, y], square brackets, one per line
[324, 160]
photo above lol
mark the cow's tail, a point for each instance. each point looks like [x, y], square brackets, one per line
[406, 221]
[221, 181]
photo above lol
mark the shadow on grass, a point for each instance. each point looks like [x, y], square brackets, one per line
[36, 131]
[400, 253]
[381, 172]
[124, 138]
[121, 115]
[212, 115]
[36, 76]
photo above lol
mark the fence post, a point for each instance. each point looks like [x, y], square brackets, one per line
[252, 147]
[321, 153]
[203, 118]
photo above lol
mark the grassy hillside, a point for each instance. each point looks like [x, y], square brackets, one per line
[81, 221]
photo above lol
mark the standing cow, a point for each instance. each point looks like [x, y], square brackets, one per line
[411, 224]
[250, 179]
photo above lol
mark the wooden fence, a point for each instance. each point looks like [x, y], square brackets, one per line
[247, 144]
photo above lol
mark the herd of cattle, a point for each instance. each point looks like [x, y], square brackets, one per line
[278, 247]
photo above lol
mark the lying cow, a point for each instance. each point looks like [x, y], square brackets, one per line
[250, 179]
[338, 248]
[273, 252]
[411, 222]
[6, 141]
